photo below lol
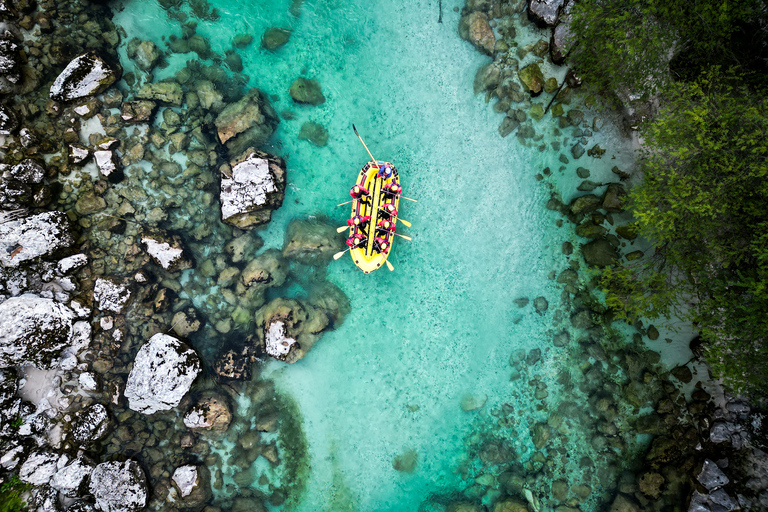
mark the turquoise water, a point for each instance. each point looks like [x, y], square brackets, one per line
[443, 325]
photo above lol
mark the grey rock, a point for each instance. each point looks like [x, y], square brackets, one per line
[84, 76]
[9, 121]
[193, 484]
[314, 133]
[145, 53]
[162, 373]
[561, 339]
[545, 12]
[561, 41]
[247, 122]
[541, 304]
[166, 251]
[711, 476]
[119, 487]
[110, 294]
[274, 38]
[577, 151]
[487, 77]
[140, 111]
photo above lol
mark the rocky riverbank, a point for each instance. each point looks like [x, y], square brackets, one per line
[128, 248]
[684, 446]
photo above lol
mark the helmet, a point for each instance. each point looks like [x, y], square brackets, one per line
[356, 220]
[356, 188]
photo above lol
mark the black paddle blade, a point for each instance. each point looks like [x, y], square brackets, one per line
[353, 127]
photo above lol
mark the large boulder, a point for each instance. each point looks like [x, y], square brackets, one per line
[288, 328]
[39, 468]
[254, 188]
[545, 12]
[476, 28]
[162, 374]
[615, 198]
[85, 76]
[561, 41]
[311, 242]
[70, 479]
[119, 487]
[210, 413]
[245, 123]
[34, 330]
[32, 237]
[27, 171]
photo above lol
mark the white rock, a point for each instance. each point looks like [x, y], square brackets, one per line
[72, 263]
[86, 75]
[110, 295]
[250, 183]
[87, 381]
[185, 478]
[39, 468]
[162, 252]
[68, 479]
[32, 237]
[277, 344]
[162, 373]
[33, 329]
[119, 487]
[105, 161]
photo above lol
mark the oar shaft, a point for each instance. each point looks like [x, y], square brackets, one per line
[342, 204]
[363, 143]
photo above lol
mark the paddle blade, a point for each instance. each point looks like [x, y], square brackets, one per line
[403, 236]
[341, 229]
[405, 222]
[409, 199]
[389, 266]
[339, 254]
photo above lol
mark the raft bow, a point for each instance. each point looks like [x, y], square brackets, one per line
[365, 256]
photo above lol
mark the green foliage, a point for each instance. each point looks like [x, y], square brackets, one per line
[639, 46]
[704, 202]
[10, 495]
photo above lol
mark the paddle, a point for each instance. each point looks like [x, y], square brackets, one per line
[342, 228]
[342, 204]
[389, 266]
[366, 147]
[402, 236]
[340, 254]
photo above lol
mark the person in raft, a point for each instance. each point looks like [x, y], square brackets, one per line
[359, 221]
[389, 210]
[356, 240]
[392, 189]
[358, 192]
[381, 245]
[384, 228]
[385, 171]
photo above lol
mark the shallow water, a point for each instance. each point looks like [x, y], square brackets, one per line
[443, 325]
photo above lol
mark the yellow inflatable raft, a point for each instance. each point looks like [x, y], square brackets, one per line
[368, 256]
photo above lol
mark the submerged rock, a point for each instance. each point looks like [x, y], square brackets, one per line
[245, 123]
[165, 92]
[85, 76]
[210, 413]
[145, 53]
[33, 329]
[476, 28]
[119, 487]
[532, 78]
[287, 329]
[311, 242]
[140, 111]
[44, 234]
[274, 38]
[314, 133]
[306, 90]
[254, 188]
[599, 253]
[162, 373]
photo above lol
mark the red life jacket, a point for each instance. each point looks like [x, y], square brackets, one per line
[381, 245]
[358, 220]
[357, 195]
[355, 240]
[386, 225]
[389, 209]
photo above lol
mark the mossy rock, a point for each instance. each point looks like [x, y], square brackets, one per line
[532, 78]
[274, 38]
